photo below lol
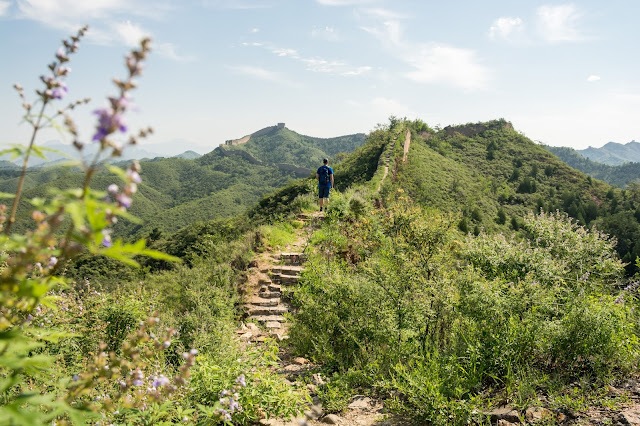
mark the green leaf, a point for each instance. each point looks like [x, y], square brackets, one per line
[7, 195]
[118, 172]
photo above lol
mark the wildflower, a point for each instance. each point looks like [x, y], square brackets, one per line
[137, 382]
[166, 344]
[108, 122]
[134, 176]
[123, 200]
[59, 92]
[160, 381]
[193, 352]
[241, 381]
[76, 378]
[113, 189]
[61, 55]
[106, 238]
[53, 261]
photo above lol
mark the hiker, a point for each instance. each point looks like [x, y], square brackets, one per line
[325, 183]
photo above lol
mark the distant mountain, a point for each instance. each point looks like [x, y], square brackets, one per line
[613, 153]
[188, 155]
[620, 175]
[64, 152]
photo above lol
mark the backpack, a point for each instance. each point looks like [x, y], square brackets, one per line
[323, 175]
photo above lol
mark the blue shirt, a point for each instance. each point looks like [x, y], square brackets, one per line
[328, 184]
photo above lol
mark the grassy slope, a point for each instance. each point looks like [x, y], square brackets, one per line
[455, 173]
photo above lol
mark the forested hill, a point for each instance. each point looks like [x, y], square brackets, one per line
[176, 192]
[619, 175]
[278, 144]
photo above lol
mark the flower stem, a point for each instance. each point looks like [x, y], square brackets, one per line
[16, 200]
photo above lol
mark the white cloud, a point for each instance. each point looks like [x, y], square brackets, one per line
[450, 65]
[433, 63]
[4, 7]
[314, 64]
[593, 77]
[357, 71]
[105, 26]
[326, 33]
[237, 4]
[130, 34]
[343, 2]
[262, 74]
[69, 13]
[559, 23]
[255, 30]
[506, 27]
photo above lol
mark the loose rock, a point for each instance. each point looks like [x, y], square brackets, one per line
[331, 419]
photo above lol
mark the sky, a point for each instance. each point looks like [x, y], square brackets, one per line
[564, 73]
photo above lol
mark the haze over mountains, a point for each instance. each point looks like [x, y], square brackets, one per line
[613, 153]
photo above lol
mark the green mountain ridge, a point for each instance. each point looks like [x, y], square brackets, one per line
[619, 175]
[489, 175]
[613, 153]
[176, 192]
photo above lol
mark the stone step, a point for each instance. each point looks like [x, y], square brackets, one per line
[261, 301]
[271, 287]
[274, 324]
[266, 318]
[267, 310]
[286, 279]
[265, 281]
[269, 294]
[287, 269]
[293, 258]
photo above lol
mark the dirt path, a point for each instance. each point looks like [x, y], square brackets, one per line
[407, 144]
[271, 271]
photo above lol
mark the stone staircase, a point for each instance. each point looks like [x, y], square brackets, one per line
[266, 305]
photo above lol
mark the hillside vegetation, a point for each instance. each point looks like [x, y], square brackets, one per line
[473, 275]
[176, 192]
[283, 146]
[619, 175]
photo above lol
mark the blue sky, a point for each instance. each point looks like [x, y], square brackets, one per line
[564, 73]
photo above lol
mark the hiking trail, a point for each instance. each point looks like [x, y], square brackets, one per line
[267, 307]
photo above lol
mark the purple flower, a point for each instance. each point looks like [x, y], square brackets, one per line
[53, 261]
[137, 382]
[113, 189]
[76, 378]
[134, 176]
[160, 381]
[106, 239]
[60, 54]
[59, 92]
[108, 122]
[241, 381]
[233, 405]
[124, 200]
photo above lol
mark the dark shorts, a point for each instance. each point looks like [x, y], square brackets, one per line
[324, 191]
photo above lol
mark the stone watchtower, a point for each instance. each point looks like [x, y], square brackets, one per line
[280, 125]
